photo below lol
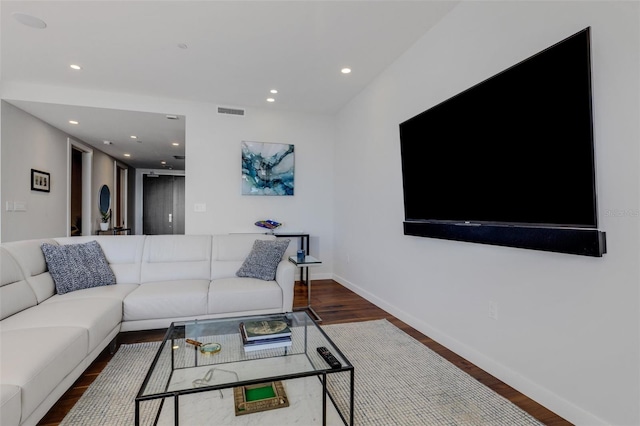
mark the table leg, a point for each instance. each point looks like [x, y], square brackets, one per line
[317, 317]
[314, 314]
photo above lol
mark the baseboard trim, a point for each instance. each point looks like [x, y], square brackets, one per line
[543, 396]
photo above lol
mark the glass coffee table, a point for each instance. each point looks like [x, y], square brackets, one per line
[202, 374]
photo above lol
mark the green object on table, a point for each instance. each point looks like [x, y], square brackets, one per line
[256, 394]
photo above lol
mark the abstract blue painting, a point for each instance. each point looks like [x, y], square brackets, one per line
[267, 168]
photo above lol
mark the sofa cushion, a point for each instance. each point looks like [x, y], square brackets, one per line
[123, 252]
[235, 247]
[15, 293]
[77, 266]
[167, 299]
[38, 359]
[10, 405]
[263, 259]
[97, 317]
[231, 295]
[29, 256]
[118, 291]
[176, 257]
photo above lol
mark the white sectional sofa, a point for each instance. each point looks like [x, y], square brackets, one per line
[47, 340]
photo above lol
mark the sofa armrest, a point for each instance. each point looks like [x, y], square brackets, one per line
[285, 277]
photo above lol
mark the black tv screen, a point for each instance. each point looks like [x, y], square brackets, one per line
[515, 149]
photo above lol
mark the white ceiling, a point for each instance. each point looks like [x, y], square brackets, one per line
[155, 133]
[236, 52]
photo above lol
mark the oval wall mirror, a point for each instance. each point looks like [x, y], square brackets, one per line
[104, 199]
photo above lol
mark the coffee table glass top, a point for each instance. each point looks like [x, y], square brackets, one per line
[183, 367]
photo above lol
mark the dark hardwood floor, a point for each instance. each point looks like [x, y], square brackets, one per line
[335, 304]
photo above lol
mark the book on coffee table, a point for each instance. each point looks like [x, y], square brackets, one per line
[267, 343]
[264, 330]
[281, 342]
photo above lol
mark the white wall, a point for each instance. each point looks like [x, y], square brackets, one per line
[29, 143]
[213, 163]
[214, 174]
[102, 174]
[567, 333]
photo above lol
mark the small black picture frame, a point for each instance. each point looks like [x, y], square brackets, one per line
[40, 181]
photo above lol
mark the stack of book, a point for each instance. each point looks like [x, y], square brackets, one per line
[267, 334]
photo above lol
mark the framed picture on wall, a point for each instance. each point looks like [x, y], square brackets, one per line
[40, 181]
[267, 168]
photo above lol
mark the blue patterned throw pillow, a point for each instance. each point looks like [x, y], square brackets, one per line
[263, 260]
[77, 266]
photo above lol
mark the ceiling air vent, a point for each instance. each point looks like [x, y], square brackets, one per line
[179, 157]
[230, 111]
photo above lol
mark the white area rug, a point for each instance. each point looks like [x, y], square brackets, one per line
[398, 381]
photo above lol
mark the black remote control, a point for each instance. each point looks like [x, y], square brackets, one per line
[328, 356]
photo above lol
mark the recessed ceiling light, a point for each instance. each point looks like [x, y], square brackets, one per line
[73, 122]
[75, 67]
[270, 100]
[345, 70]
[274, 91]
[175, 144]
[127, 155]
[163, 162]
[182, 46]
[134, 137]
[107, 142]
[29, 21]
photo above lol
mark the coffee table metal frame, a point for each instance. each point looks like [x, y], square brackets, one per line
[300, 320]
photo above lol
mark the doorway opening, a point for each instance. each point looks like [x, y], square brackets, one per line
[79, 188]
[163, 204]
[76, 192]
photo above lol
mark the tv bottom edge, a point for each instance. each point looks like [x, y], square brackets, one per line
[583, 242]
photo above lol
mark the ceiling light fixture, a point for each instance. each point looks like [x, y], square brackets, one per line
[163, 162]
[75, 67]
[345, 70]
[274, 91]
[133, 137]
[107, 142]
[175, 144]
[127, 155]
[29, 21]
[73, 122]
[270, 100]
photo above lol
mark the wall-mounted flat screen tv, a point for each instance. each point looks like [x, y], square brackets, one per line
[516, 150]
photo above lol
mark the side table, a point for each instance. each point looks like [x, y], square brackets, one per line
[308, 262]
[114, 231]
[304, 245]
